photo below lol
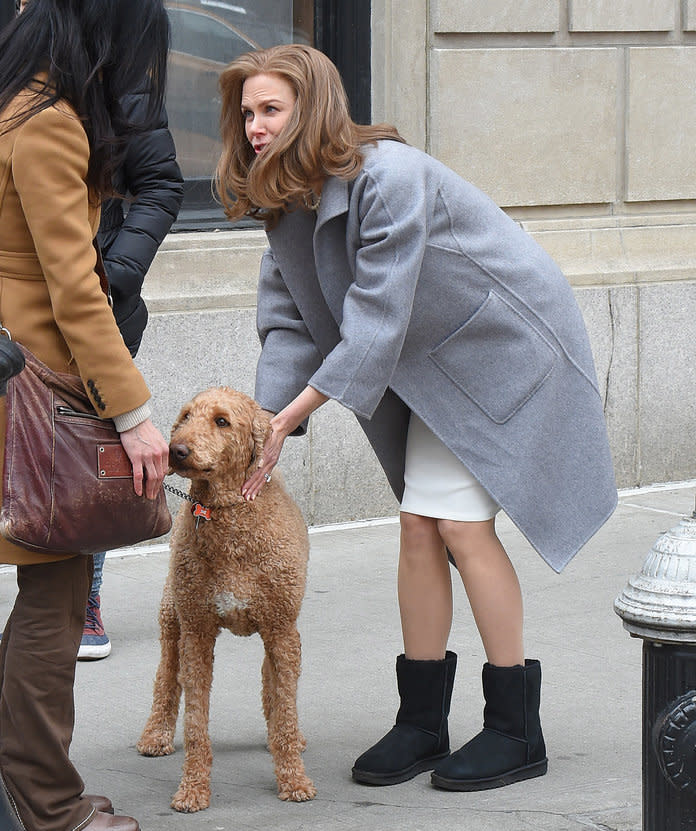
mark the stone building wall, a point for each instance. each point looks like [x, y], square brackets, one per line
[578, 117]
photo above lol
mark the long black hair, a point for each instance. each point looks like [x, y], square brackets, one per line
[89, 53]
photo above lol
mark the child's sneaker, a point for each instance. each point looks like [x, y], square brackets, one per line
[95, 642]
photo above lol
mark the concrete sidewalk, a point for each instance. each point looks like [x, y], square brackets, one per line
[591, 693]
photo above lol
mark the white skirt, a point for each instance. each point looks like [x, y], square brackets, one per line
[438, 484]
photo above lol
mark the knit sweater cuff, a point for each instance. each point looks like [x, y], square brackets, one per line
[126, 421]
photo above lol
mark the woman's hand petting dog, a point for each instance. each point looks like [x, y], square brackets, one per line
[281, 426]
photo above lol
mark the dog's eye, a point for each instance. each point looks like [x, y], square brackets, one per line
[222, 422]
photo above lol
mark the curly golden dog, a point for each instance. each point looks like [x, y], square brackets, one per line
[243, 569]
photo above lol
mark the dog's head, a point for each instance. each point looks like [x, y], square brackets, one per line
[218, 435]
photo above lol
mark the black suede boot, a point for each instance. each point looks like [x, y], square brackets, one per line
[510, 747]
[419, 738]
[9, 821]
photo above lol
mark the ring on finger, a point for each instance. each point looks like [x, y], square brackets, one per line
[267, 477]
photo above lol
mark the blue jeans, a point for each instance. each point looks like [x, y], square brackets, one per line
[98, 572]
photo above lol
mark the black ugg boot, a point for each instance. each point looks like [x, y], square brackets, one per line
[511, 745]
[419, 738]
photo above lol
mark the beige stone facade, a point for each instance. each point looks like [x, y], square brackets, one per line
[578, 117]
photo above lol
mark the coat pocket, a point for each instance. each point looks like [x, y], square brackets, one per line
[497, 358]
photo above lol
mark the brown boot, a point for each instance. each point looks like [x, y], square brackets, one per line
[101, 803]
[107, 822]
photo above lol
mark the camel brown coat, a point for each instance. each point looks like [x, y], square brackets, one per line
[50, 296]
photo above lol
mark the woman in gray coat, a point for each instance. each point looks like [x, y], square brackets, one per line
[398, 289]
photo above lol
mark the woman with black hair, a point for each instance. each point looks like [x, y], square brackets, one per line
[64, 67]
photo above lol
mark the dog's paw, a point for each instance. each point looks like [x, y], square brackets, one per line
[155, 744]
[298, 790]
[189, 798]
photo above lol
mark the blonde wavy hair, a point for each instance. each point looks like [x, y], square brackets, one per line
[319, 139]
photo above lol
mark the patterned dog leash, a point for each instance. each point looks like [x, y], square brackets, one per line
[198, 510]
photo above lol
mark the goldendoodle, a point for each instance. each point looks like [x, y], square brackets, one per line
[236, 565]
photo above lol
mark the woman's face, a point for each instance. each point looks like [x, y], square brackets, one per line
[267, 101]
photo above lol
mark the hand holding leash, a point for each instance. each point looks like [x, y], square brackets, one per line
[149, 455]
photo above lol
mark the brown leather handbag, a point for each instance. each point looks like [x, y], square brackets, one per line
[67, 481]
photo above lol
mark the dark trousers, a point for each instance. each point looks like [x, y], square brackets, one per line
[38, 654]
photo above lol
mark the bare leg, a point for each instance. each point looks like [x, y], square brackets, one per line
[425, 672]
[491, 585]
[425, 589]
[511, 747]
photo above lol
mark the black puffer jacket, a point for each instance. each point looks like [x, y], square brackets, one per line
[129, 240]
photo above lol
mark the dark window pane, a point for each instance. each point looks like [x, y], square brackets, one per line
[342, 31]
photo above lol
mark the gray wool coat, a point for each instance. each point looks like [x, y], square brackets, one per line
[410, 290]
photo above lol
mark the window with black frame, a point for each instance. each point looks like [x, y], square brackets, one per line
[207, 35]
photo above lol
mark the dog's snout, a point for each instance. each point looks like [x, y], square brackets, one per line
[178, 453]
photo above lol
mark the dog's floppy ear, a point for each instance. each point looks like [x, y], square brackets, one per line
[183, 415]
[259, 433]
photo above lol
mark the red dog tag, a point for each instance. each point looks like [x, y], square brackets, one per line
[200, 510]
